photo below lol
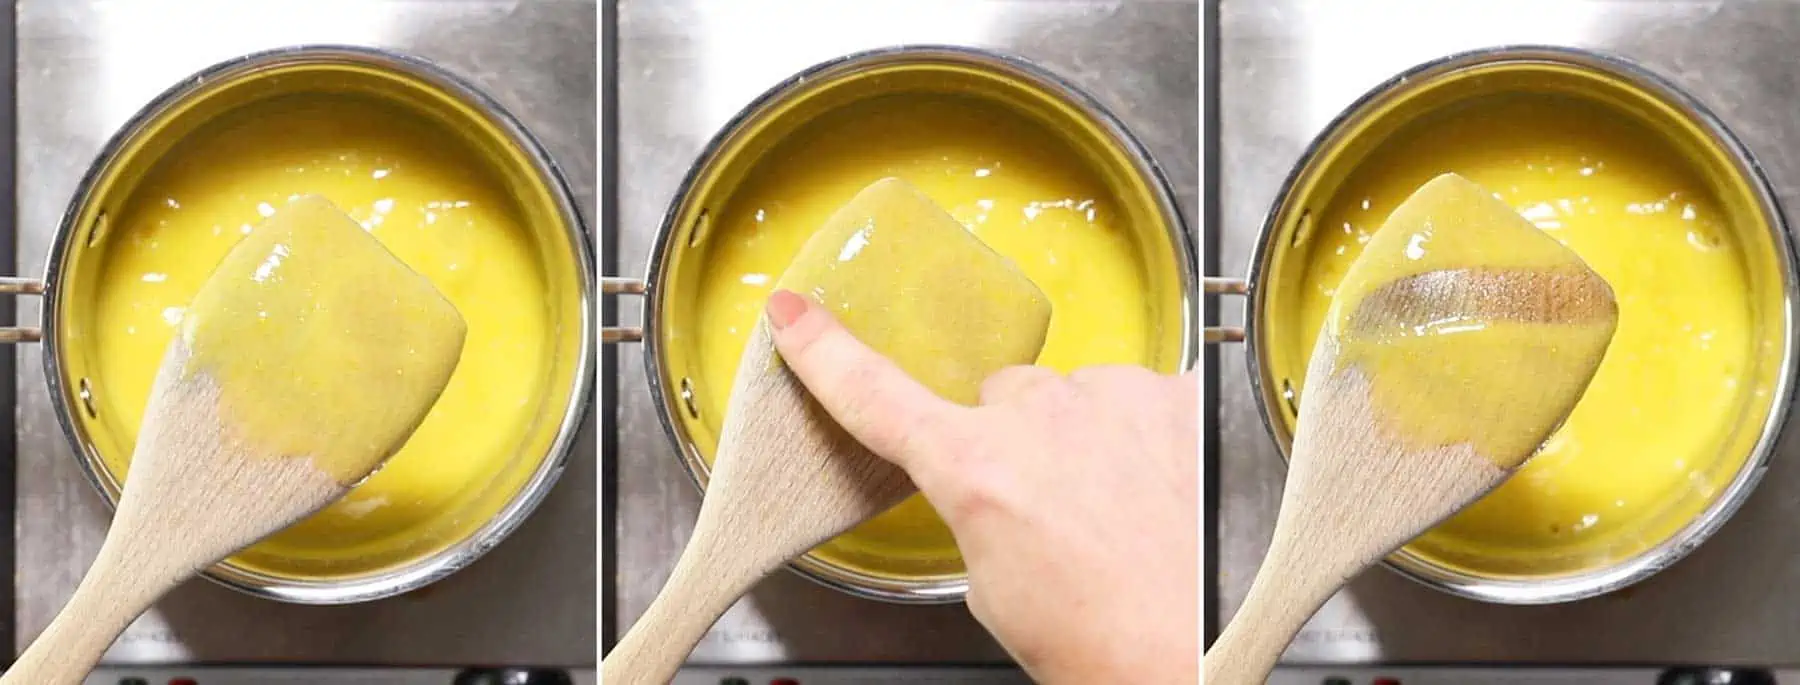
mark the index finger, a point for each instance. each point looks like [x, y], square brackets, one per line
[872, 398]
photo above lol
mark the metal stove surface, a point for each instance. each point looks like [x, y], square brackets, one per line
[685, 66]
[1287, 66]
[83, 68]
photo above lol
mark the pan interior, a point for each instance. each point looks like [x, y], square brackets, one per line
[1652, 204]
[443, 188]
[1023, 171]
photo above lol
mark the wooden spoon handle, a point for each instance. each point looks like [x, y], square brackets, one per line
[1278, 605]
[703, 585]
[110, 596]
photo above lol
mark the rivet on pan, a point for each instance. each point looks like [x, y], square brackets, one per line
[1290, 397]
[97, 229]
[1302, 227]
[87, 398]
[687, 397]
[697, 231]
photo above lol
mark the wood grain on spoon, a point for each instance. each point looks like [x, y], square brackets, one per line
[910, 282]
[1457, 343]
[305, 361]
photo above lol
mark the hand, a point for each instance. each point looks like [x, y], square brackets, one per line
[1073, 498]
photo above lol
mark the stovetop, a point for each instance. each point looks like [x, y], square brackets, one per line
[1287, 67]
[682, 72]
[83, 67]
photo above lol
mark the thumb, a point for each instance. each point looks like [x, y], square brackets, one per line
[872, 398]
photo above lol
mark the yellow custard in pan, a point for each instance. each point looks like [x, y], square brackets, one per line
[1011, 181]
[1648, 433]
[426, 197]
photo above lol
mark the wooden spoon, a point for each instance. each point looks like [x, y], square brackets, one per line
[306, 360]
[780, 486]
[1457, 343]
[909, 281]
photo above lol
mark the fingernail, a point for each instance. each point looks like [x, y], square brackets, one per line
[784, 307]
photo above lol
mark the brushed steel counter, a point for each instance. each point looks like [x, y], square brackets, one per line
[685, 66]
[1287, 66]
[83, 68]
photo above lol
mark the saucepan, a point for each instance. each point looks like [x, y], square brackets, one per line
[482, 511]
[671, 328]
[1617, 93]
